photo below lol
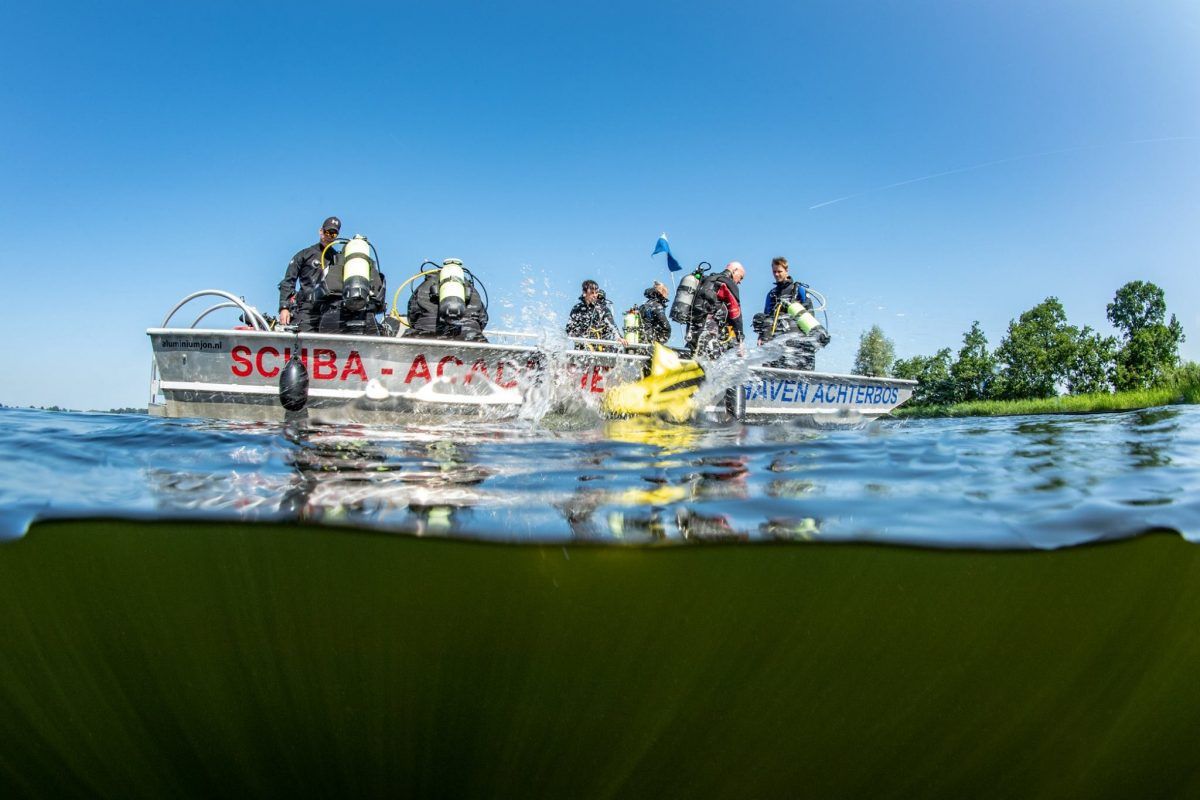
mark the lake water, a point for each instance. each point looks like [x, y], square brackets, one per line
[995, 483]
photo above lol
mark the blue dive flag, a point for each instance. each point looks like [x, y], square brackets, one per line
[663, 247]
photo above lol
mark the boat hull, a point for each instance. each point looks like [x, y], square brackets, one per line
[235, 375]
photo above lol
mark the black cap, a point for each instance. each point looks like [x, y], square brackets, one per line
[331, 222]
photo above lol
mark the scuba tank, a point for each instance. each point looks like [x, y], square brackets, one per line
[452, 290]
[681, 309]
[633, 326]
[356, 273]
[809, 325]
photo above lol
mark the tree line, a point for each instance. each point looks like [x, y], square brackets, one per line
[1042, 355]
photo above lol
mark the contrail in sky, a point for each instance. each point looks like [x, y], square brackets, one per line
[986, 164]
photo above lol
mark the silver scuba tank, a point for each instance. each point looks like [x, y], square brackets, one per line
[685, 295]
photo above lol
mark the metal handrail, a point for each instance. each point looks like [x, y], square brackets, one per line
[249, 313]
[253, 316]
[217, 307]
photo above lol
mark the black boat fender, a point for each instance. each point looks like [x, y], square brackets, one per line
[293, 384]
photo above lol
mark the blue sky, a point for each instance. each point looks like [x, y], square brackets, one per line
[152, 149]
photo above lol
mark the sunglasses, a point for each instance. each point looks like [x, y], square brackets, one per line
[331, 231]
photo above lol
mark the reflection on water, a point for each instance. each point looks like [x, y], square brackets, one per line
[421, 486]
[1018, 482]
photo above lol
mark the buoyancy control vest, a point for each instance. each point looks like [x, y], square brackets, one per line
[782, 295]
[706, 302]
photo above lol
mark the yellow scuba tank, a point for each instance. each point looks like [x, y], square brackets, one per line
[452, 290]
[633, 326]
[356, 273]
[804, 318]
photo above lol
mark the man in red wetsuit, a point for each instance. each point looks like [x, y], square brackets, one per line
[716, 320]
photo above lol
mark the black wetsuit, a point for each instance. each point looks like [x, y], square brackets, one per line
[655, 325]
[592, 321]
[425, 321]
[717, 305]
[305, 267]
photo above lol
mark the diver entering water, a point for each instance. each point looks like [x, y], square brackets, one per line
[788, 311]
[448, 304]
[715, 317]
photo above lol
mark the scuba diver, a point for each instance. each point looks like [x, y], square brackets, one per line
[352, 290]
[715, 317]
[654, 323]
[298, 305]
[591, 318]
[448, 305]
[788, 311]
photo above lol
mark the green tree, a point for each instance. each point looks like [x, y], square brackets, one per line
[1150, 351]
[1036, 354]
[936, 386]
[1092, 363]
[975, 370]
[875, 353]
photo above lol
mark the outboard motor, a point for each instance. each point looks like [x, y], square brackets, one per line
[681, 309]
[633, 326]
[356, 273]
[452, 290]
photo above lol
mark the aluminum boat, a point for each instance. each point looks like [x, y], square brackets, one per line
[235, 374]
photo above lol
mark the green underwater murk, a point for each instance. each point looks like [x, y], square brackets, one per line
[200, 659]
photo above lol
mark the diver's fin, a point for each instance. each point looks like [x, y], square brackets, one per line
[664, 359]
[668, 389]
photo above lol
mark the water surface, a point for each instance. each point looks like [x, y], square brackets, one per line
[1014, 482]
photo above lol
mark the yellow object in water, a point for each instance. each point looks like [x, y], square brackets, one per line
[666, 391]
[663, 495]
[666, 439]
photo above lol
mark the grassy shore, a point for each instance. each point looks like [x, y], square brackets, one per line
[1066, 404]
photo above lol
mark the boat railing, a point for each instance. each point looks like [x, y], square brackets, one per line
[251, 315]
[607, 343]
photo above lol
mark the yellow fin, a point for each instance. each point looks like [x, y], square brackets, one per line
[664, 360]
[667, 390]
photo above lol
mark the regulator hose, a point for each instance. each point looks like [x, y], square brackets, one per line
[395, 312]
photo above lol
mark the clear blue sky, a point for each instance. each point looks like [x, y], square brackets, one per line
[151, 149]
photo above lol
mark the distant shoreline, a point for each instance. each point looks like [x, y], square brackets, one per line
[129, 410]
[1187, 394]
